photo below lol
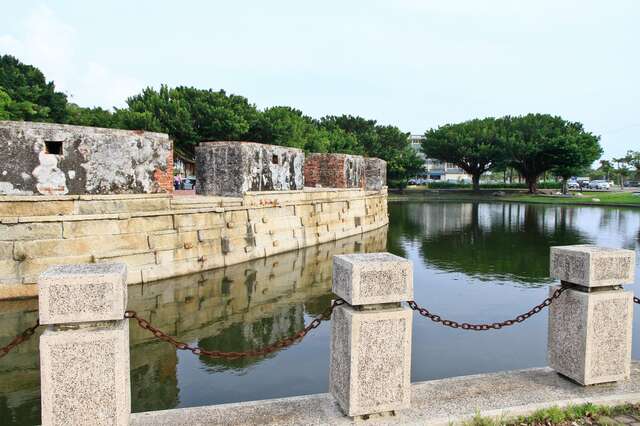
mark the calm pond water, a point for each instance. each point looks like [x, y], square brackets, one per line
[475, 262]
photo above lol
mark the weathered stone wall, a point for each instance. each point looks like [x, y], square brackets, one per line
[334, 171]
[58, 159]
[158, 236]
[235, 168]
[375, 174]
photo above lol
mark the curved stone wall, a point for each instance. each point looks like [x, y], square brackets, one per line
[161, 236]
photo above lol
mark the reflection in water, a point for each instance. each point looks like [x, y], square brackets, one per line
[238, 308]
[472, 262]
[504, 242]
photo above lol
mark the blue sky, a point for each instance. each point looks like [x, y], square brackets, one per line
[415, 64]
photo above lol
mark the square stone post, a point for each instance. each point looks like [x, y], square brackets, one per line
[84, 352]
[370, 364]
[590, 323]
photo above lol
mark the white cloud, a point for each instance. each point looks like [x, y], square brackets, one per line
[49, 43]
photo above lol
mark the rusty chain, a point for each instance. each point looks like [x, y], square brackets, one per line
[288, 341]
[25, 335]
[483, 327]
[282, 343]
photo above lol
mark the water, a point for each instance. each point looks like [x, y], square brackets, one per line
[474, 262]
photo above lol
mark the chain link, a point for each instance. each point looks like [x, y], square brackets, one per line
[483, 327]
[282, 343]
[315, 323]
[25, 335]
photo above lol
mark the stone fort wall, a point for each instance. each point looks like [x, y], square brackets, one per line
[59, 159]
[160, 236]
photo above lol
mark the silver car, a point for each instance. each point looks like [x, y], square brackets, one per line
[599, 184]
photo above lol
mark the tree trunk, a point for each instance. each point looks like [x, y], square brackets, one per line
[532, 183]
[565, 188]
[476, 183]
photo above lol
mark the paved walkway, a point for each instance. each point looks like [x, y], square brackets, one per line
[437, 402]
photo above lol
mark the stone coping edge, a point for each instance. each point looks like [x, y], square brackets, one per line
[436, 402]
[194, 210]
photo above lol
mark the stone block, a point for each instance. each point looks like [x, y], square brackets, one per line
[36, 208]
[371, 278]
[235, 168]
[375, 174]
[370, 362]
[173, 240]
[30, 231]
[95, 244]
[6, 250]
[592, 266]
[590, 335]
[84, 375]
[83, 293]
[30, 269]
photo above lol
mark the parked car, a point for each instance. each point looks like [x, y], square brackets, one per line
[632, 184]
[572, 184]
[599, 184]
[190, 182]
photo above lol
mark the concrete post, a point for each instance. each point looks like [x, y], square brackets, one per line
[370, 361]
[84, 353]
[590, 323]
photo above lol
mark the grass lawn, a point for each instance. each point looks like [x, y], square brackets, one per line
[606, 198]
[585, 414]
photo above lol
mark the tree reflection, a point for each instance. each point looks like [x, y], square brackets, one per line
[488, 241]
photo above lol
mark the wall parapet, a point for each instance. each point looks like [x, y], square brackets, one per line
[159, 236]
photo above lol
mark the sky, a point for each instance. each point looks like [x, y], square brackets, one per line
[416, 64]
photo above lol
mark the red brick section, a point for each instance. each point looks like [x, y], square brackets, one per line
[325, 170]
[164, 178]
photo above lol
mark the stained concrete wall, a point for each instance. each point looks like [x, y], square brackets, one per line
[375, 174]
[334, 171]
[58, 159]
[234, 168]
[159, 237]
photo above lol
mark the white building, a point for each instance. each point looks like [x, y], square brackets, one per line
[436, 169]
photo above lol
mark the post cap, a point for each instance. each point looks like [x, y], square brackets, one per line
[592, 266]
[366, 279]
[82, 293]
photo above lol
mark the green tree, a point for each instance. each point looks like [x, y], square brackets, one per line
[5, 105]
[286, 126]
[633, 159]
[606, 169]
[96, 117]
[622, 169]
[537, 143]
[190, 115]
[475, 146]
[32, 97]
[577, 150]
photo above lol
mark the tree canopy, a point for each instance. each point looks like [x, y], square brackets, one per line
[26, 95]
[532, 144]
[537, 143]
[191, 115]
[475, 146]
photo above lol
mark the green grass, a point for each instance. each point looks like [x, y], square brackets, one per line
[585, 414]
[606, 198]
